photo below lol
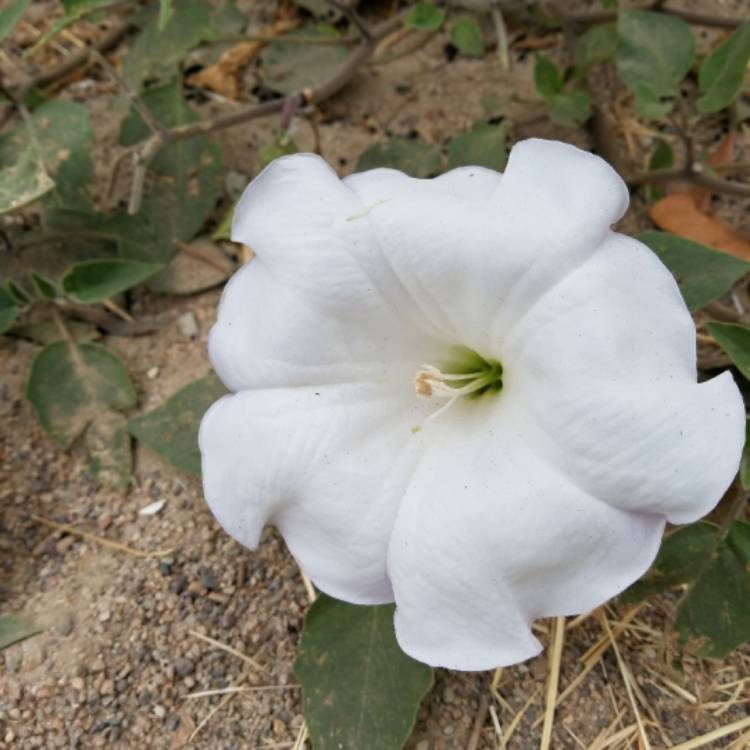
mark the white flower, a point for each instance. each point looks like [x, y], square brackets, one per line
[535, 484]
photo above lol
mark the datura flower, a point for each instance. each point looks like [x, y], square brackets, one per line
[467, 395]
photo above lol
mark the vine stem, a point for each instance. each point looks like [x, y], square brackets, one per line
[151, 147]
[735, 511]
[691, 16]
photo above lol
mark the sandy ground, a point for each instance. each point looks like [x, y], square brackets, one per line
[121, 649]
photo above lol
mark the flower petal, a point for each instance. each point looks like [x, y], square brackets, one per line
[490, 537]
[476, 260]
[319, 304]
[269, 334]
[606, 364]
[327, 465]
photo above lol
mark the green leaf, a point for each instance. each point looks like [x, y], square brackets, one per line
[714, 616]
[158, 51]
[172, 429]
[177, 206]
[703, 274]
[228, 20]
[291, 67]
[745, 463]
[571, 108]
[662, 156]
[654, 53]
[8, 310]
[71, 385]
[425, 17]
[723, 71]
[680, 560]
[359, 690]
[107, 442]
[198, 266]
[414, 157]
[97, 280]
[483, 145]
[547, 77]
[10, 16]
[43, 286]
[597, 44]
[735, 341]
[466, 37]
[166, 9]
[23, 177]
[14, 629]
[18, 293]
[59, 138]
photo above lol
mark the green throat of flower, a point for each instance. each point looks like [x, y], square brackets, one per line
[466, 373]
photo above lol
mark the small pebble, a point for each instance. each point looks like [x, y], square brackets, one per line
[160, 712]
[187, 325]
[152, 373]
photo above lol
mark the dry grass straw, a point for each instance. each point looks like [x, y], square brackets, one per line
[223, 646]
[716, 734]
[553, 680]
[627, 679]
[68, 529]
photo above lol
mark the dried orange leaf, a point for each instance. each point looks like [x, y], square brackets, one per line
[679, 214]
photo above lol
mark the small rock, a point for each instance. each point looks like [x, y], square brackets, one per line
[160, 712]
[65, 544]
[105, 616]
[208, 579]
[152, 508]
[66, 624]
[423, 745]
[173, 722]
[449, 695]
[105, 521]
[107, 688]
[279, 729]
[183, 666]
[178, 584]
[152, 373]
[77, 683]
[97, 665]
[187, 325]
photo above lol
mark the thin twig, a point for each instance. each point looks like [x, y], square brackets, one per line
[153, 125]
[352, 16]
[696, 17]
[693, 175]
[108, 40]
[151, 147]
[479, 721]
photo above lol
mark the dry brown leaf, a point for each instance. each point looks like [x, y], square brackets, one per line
[221, 77]
[679, 214]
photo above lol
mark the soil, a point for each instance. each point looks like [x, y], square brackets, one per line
[119, 656]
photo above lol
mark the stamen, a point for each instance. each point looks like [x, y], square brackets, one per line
[432, 382]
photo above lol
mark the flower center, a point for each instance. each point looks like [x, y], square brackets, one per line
[465, 374]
